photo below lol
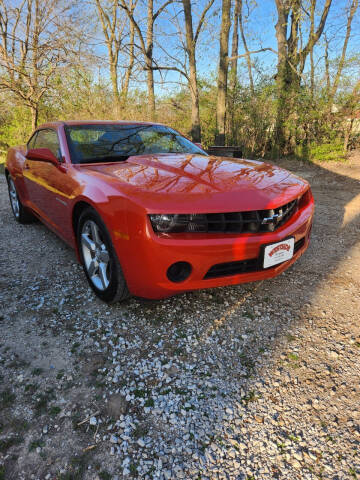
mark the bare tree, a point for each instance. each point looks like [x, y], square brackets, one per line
[235, 44]
[131, 54]
[353, 7]
[327, 65]
[222, 73]
[188, 68]
[147, 44]
[113, 27]
[247, 52]
[191, 41]
[292, 57]
[35, 45]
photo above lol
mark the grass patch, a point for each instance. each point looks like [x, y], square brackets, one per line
[140, 430]
[31, 388]
[140, 393]
[293, 357]
[352, 473]
[7, 398]
[19, 425]
[18, 363]
[293, 438]
[7, 443]
[75, 346]
[246, 361]
[250, 397]
[249, 314]
[104, 475]
[325, 152]
[36, 444]
[133, 469]
[55, 410]
[77, 468]
[149, 402]
[42, 401]
[36, 371]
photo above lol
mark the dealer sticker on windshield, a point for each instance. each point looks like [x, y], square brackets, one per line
[278, 252]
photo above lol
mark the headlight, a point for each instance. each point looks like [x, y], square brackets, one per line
[176, 223]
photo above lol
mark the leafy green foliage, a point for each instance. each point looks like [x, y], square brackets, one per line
[323, 152]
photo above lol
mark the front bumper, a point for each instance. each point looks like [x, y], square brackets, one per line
[148, 256]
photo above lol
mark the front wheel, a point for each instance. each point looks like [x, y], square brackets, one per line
[21, 214]
[100, 262]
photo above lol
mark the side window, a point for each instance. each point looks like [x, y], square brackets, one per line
[31, 142]
[48, 139]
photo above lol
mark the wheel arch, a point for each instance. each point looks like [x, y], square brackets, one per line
[78, 208]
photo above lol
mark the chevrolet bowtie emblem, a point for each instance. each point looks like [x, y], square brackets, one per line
[273, 219]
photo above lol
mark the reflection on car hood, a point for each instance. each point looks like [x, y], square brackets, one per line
[194, 177]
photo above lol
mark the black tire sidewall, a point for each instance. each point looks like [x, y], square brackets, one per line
[24, 215]
[116, 276]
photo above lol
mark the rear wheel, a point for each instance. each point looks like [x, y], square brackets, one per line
[21, 214]
[100, 262]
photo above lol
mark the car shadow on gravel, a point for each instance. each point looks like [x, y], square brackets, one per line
[187, 382]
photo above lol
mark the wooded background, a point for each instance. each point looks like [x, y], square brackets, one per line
[276, 77]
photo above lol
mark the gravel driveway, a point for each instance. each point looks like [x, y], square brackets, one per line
[256, 381]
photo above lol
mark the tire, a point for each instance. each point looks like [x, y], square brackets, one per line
[100, 263]
[21, 214]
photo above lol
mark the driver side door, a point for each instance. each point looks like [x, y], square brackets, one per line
[47, 183]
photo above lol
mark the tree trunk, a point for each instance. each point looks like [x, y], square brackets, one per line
[291, 63]
[131, 60]
[149, 59]
[115, 86]
[151, 92]
[312, 69]
[34, 116]
[193, 85]
[235, 45]
[248, 59]
[222, 74]
[195, 109]
[348, 130]
[281, 76]
[327, 69]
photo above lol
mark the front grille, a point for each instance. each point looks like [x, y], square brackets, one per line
[243, 266]
[250, 222]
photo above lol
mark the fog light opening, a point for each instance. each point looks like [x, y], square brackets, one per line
[179, 272]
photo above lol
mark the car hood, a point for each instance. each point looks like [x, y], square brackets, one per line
[191, 179]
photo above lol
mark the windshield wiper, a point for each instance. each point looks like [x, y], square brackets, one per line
[120, 158]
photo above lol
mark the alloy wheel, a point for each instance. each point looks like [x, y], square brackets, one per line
[15, 205]
[96, 255]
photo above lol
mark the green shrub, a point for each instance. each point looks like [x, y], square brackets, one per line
[325, 152]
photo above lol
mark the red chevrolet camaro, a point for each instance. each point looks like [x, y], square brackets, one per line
[150, 213]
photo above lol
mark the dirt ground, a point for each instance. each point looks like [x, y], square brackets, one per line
[254, 381]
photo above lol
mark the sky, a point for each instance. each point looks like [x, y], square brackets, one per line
[260, 18]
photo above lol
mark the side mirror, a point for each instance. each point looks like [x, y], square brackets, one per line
[42, 155]
[199, 145]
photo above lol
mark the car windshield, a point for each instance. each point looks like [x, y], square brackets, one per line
[112, 143]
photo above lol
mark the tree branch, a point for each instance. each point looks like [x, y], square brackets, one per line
[229, 59]
[202, 19]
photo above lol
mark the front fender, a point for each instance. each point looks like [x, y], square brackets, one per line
[14, 164]
[110, 206]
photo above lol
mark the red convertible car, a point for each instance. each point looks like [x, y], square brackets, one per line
[150, 213]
